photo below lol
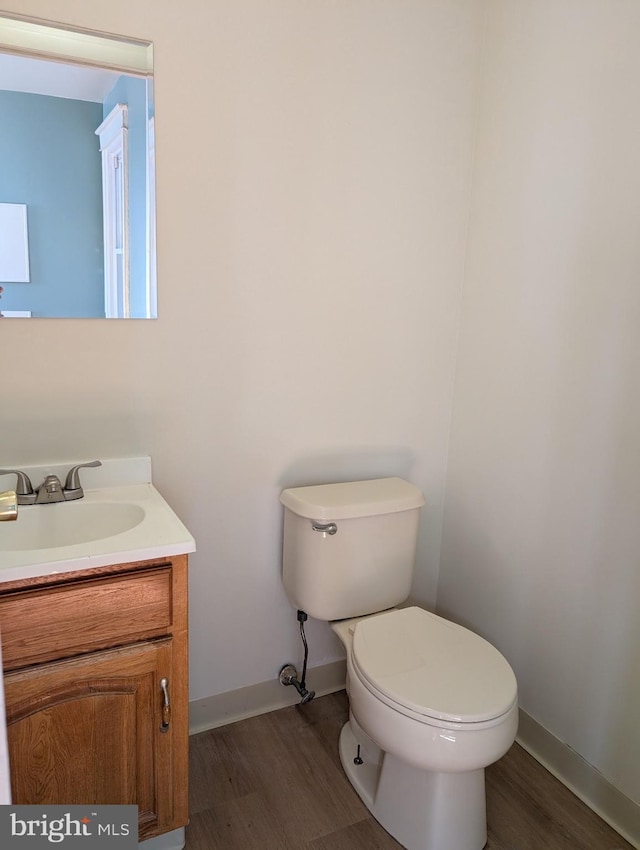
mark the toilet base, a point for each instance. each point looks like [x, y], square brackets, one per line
[420, 809]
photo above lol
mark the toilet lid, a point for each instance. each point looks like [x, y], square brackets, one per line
[433, 667]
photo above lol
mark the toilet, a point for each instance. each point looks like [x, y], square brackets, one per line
[431, 704]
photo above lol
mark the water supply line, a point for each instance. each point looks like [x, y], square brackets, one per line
[289, 674]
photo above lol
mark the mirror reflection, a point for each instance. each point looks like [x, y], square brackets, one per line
[77, 190]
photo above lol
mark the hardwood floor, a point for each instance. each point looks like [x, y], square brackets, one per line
[275, 782]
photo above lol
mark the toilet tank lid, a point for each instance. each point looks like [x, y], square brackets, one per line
[353, 499]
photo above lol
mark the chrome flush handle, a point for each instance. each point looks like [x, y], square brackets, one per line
[325, 528]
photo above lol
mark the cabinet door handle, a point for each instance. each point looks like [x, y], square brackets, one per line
[166, 705]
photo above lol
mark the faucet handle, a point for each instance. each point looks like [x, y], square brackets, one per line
[72, 488]
[24, 490]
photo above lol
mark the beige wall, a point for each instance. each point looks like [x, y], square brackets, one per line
[542, 534]
[313, 176]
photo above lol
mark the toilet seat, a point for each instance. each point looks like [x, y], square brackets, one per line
[431, 669]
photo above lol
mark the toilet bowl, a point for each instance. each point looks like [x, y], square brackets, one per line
[431, 705]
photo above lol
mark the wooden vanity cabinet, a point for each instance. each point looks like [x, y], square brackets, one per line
[96, 689]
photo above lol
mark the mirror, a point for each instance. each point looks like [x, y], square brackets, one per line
[77, 166]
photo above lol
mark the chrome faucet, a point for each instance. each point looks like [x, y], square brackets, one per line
[51, 489]
[8, 506]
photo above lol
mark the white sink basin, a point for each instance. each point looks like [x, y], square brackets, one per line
[68, 523]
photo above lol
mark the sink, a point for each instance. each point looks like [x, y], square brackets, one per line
[68, 524]
[122, 519]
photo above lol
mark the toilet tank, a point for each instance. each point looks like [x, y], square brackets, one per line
[349, 549]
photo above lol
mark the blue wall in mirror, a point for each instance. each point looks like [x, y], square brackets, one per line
[50, 161]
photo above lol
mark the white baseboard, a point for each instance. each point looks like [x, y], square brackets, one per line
[587, 783]
[218, 710]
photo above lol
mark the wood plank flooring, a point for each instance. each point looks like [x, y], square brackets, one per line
[275, 782]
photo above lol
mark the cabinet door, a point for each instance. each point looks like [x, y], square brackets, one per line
[93, 730]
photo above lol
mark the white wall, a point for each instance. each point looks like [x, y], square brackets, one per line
[542, 535]
[313, 177]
